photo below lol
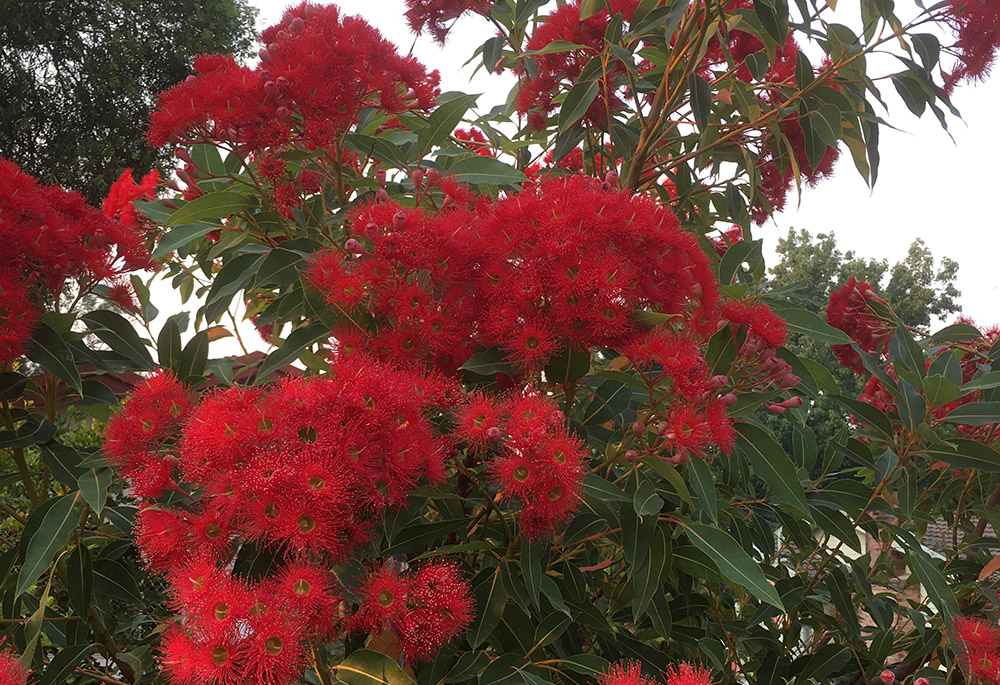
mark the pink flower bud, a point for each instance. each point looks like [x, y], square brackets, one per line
[283, 35]
[191, 77]
[380, 177]
[418, 178]
[605, 186]
[921, 681]
[638, 427]
[776, 409]
[679, 458]
[631, 455]
[611, 178]
[433, 175]
[717, 382]
[887, 677]
[792, 402]
[283, 112]
[381, 195]
[183, 155]
[271, 88]
[662, 427]
[298, 23]
[493, 433]
[398, 220]
[728, 399]
[354, 247]
[265, 56]
[371, 228]
[789, 381]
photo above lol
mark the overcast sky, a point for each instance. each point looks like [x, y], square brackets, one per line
[929, 187]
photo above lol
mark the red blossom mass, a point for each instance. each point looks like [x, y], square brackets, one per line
[317, 65]
[624, 673]
[976, 24]
[849, 311]
[977, 643]
[49, 236]
[432, 14]
[11, 670]
[688, 674]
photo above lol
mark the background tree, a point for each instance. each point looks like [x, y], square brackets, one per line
[920, 290]
[78, 79]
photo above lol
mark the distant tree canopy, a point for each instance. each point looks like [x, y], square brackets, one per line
[78, 79]
[919, 288]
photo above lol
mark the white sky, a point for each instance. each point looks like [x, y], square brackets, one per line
[928, 187]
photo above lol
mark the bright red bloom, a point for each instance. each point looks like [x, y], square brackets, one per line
[432, 14]
[976, 24]
[624, 673]
[758, 319]
[11, 670]
[310, 592]
[977, 644]
[118, 204]
[850, 311]
[440, 608]
[383, 598]
[18, 316]
[688, 674]
[274, 652]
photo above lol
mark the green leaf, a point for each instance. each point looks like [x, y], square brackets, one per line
[933, 581]
[975, 414]
[12, 384]
[64, 663]
[990, 380]
[772, 465]
[179, 237]
[555, 46]
[810, 325]
[701, 100]
[168, 344]
[824, 663]
[577, 101]
[481, 169]
[488, 362]
[589, 8]
[235, 275]
[111, 578]
[279, 268]
[117, 333]
[734, 563]
[194, 357]
[966, 454]
[50, 537]
[837, 524]
[211, 206]
[293, 346]
[443, 120]
[586, 664]
[601, 489]
[703, 485]
[467, 666]
[50, 350]
[532, 554]
[637, 534]
[568, 366]
[94, 484]
[80, 579]
[646, 502]
[671, 475]
[491, 598]
[366, 667]
[646, 579]
[550, 629]
[34, 431]
[869, 415]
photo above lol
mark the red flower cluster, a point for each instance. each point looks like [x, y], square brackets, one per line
[50, 235]
[630, 673]
[475, 140]
[536, 461]
[318, 70]
[849, 311]
[976, 24]
[554, 71]
[302, 469]
[977, 643]
[566, 263]
[424, 610]
[498, 275]
[11, 670]
[118, 204]
[411, 271]
[432, 14]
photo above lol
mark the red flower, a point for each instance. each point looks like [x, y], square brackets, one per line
[976, 24]
[688, 674]
[758, 319]
[118, 204]
[850, 311]
[11, 670]
[624, 673]
[432, 14]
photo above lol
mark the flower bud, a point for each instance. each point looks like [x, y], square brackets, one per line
[298, 23]
[679, 458]
[265, 56]
[662, 427]
[271, 89]
[380, 177]
[717, 382]
[418, 178]
[493, 433]
[398, 219]
[887, 677]
[789, 381]
[557, 418]
[354, 247]
[638, 427]
[776, 409]
[381, 195]
[631, 455]
[371, 228]
[433, 175]
[921, 681]
[283, 35]
[728, 399]
[792, 402]
[611, 178]
[283, 112]
[183, 155]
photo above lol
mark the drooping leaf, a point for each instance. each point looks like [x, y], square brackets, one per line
[734, 563]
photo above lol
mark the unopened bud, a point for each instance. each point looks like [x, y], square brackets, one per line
[611, 178]
[271, 88]
[354, 247]
[728, 399]
[557, 418]
[191, 77]
[493, 433]
[662, 427]
[638, 427]
[418, 178]
[381, 195]
[298, 23]
[398, 220]
[182, 154]
[169, 204]
[717, 382]
[887, 677]
[283, 35]
[265, 56]
[679, 458]
[776, 409]
[789, 381]
[605, 186]
[631, 455]
[921, 681]
[380, 177]
[792, 402]
[433, 175]
[283, 112]
[371, 228]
